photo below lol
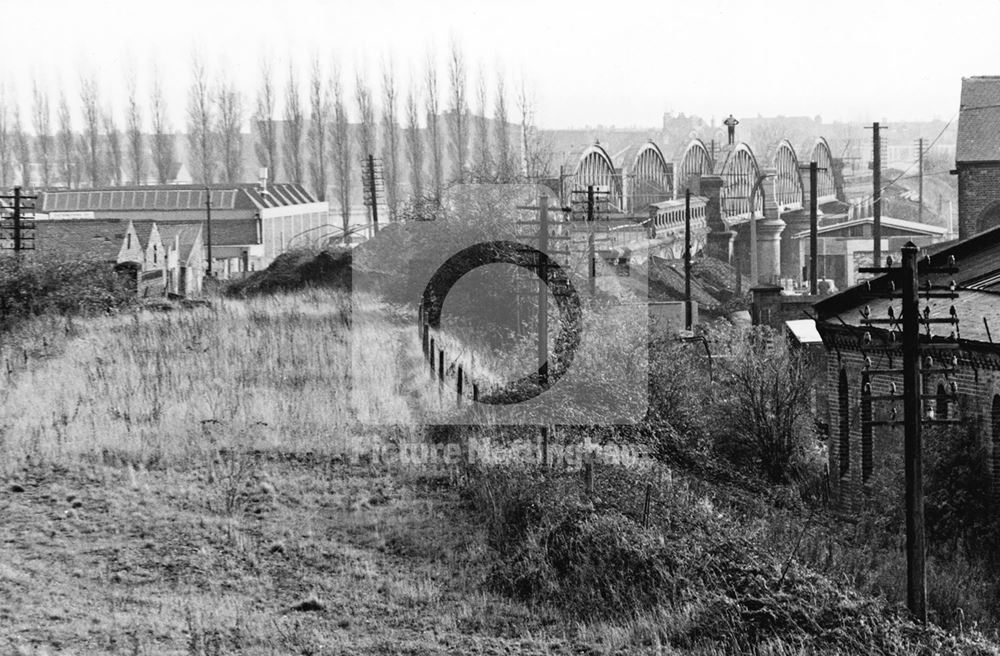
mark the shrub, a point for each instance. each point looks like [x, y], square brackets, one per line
[47, 283]
[763, 404]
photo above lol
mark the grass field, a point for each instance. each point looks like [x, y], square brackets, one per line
[186, 482]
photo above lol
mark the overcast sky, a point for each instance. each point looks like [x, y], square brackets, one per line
[620, 62]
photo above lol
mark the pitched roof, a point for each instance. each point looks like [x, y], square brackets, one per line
[185, 233]
[887, 222]
[225, 232]
[95, 238]
[978, 280]
[979, 120]
[247, 196]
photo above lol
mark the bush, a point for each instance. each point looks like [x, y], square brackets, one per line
[297, 270]
[46, 283]
[763, 404]
[556, 548]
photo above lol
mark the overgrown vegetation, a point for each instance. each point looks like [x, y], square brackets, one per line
[697, 578]
[41, 283]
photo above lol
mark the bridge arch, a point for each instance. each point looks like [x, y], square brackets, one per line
[739, 174]
[787, 182]
[651, 177]
[596, 168]
[696, 160]
[825, 187]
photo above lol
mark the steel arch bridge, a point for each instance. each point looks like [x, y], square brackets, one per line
[739, 175]
[596, 168]
[651, 177]
[696, 160]
[826, 189]
[787, 178]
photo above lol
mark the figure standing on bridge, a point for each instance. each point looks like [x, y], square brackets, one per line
[731, 124]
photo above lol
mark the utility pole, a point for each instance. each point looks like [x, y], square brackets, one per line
[687, 260]
[877, 193]
[905, 279]
[813, 228]
[916, 576]
[208, 227]
[591, 254]
[920, 179]
[543, 311]
[15, 228]
[371, 190]
[17, 219]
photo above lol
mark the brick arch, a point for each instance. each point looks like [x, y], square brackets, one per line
[989, 217]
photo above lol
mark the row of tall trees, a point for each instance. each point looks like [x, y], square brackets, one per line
[427, 136]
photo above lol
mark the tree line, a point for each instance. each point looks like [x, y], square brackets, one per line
[430, 135]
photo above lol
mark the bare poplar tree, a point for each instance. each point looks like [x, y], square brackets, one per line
[458, 116]
[230, 117]
[201, 146]
[6, 145]
[319, 101]
[23, 146]
[483, 166]
[536, 160]
[295, 121]
[366, 116]
[91, 143]
[506, 169]
[414, 146]
[341, 152]
[163, 138]
[434, 130]
[115, 156]
[67, 141]
[42, 119]
[390, 138]
[267, 137]
[133, 132]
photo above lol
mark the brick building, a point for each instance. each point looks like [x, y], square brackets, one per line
[977, 155]
[858, 452]
[160, 259]
[251, 224]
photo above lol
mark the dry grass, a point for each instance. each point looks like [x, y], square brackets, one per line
[263, 374]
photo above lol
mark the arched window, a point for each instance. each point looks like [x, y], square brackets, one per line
[941, 402]
[996, 443]
[844, 408]
[867, 451]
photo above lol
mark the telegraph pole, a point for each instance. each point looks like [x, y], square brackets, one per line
[17, 219]
[591, 254]
[15, 228]
[877, 193]
[687, 260]
[905, 280]
[543, 311]
[813, 228]
[916, 588]
[371, 190]
[920, 179]
[208, 227]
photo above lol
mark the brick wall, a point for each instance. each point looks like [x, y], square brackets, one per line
[978, 379]
[978, 192]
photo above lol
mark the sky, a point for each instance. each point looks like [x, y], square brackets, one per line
[586, 63]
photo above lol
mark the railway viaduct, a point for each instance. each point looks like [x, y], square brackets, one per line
[639, 180]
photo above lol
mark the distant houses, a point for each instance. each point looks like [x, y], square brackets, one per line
[163, 233]
[157, 260]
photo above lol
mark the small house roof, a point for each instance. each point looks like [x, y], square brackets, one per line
[101, 239]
